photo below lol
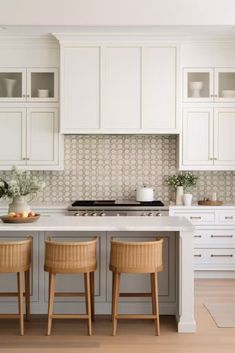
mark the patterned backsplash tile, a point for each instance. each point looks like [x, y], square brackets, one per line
[112, 166]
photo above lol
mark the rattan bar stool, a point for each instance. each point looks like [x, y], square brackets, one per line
[15, 257]
[71, 257]
[135, 257]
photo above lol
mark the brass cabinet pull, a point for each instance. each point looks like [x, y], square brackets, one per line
[221, 236]
[216, 255]
[194, 217]
[229, 217]
[197, 236]
[198, 255]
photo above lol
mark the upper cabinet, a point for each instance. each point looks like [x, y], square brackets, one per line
[209, 85]
[118, 88]
[28, 85]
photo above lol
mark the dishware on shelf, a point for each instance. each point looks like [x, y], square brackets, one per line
[11, 219]
[196, 87]
[10, 85]
[228, 93]
[43, 93]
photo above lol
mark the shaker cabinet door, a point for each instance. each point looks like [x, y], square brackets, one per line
[12, 136]
[121, 88]
[80, 89]
[42, 136]
[159, 88]
[197, 143]
[224, 129]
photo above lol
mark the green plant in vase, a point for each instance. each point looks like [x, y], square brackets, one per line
[181, 182]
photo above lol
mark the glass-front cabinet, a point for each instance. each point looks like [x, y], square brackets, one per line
[209, 85]
[28, 85]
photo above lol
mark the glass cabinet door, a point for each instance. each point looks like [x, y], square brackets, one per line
[42, 85]
[12, 84]
[198, 85]
[225, 85]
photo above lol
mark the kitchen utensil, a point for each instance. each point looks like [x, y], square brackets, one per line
[144, 194]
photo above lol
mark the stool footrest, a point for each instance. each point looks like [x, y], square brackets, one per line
[69, 316]
[135, 294]
[9, 294]
[136, 316]
[69, 294]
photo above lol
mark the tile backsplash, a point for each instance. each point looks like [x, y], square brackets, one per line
[112, 166]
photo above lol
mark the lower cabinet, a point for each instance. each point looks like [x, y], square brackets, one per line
[214, 239]
[29, 137]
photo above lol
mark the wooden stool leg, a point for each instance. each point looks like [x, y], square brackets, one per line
[113, 292]
[116, 299]
[20, 301]
[27, 293]
[92, 284]
[155, 294]
[51, 301]
[88, 301]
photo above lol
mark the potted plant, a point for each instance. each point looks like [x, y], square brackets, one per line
[21, 185]
[181, 182]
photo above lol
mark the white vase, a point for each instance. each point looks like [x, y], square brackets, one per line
[10, 84]
[187, 199]
[19, 204]
[179, 195]
[196, 87]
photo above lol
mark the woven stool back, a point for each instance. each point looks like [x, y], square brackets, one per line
[136, 257]
[70, 257]
[15, 256]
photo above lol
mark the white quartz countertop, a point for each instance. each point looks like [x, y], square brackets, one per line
[67, 223]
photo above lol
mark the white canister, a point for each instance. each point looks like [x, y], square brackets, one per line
[144, 194]
[187, 199]
[43, 93]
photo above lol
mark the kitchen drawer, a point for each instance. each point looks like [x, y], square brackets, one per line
[226, 217]
[214, 256]
[197, 217]
[223, 237]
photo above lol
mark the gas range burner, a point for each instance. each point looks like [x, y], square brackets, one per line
[110, 203]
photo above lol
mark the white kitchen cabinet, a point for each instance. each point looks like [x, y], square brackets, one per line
[207, 141]
[214, 239]
[121, 89]
[12, 136]
[224, 141]
[80, 89]
[159, 88]
[197, 138]
[209, 85]
[28, 84]
[118, 88]
[30, 138]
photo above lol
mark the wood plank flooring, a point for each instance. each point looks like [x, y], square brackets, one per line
[70, 336]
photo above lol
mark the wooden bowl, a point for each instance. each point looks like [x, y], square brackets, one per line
[10, 219]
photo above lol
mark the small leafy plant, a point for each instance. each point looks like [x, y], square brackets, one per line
[185, 179]
[22, 183]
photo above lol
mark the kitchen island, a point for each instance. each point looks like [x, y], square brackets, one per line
[175, 282]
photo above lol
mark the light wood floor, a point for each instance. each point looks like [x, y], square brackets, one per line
[132, 336]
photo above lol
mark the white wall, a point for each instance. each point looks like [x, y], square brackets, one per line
[117, 12]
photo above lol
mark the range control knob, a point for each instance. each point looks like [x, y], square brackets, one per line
[103, 214]
[158, 214]
[143, 214]
[85, 214]
[76, 214]
[94, 214]
[150, 214]
[117, 214]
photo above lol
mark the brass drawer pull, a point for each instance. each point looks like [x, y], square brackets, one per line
[229, 217]
[214, 255]
[198, 255]
[194, 217]
[197, 236]
[221, 236]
